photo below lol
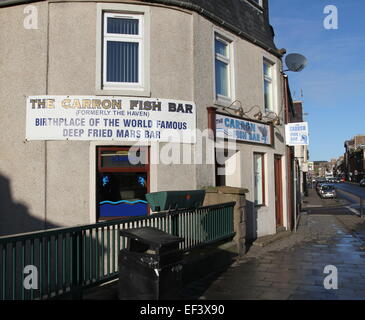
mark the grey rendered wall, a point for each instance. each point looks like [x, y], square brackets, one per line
[203, 87]
[23, 56]
[172, 78]
[71, 72]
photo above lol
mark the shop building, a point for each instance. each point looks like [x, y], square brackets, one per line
[353, 167]
[183, 65]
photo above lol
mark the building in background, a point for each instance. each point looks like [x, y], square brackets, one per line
[293, 208]
[339, 170]
[352, 167]
[310, 170]
[320, 168]
[297, 140]
[301, 152]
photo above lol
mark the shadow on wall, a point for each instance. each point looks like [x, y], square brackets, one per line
[251, 224]
[15, 216]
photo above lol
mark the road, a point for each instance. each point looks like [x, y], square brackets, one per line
[351, 188]
[354, 195]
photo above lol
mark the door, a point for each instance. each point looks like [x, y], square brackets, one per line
[278, 191]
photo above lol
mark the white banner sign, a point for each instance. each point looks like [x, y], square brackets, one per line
[242, 130]
[110, 118]
[296, 134]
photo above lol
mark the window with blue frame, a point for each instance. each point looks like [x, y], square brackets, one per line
[122, 182]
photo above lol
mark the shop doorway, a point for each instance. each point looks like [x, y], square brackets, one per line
[122, 182]
[278, 191]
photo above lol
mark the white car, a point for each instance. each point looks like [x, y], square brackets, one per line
[327, 191]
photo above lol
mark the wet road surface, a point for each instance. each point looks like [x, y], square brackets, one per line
[293, 268]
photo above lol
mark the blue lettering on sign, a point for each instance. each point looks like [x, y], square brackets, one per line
[239, 124]
[254, 137]
[137, 123]
[241, 135]
[298, 128]
[243, 130]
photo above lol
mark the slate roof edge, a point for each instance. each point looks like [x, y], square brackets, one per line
[213, 17]
[8, 3]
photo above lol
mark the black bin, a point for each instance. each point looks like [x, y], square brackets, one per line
[151, 266]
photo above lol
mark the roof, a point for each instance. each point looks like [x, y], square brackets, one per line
[242, 17]
[6, 3]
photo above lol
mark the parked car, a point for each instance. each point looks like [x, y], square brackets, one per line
[362, 183]
[327, 191]
[331, 180]
[318, 183]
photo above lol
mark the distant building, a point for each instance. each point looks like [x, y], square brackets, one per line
[301, 152]
[310, 168]
[320, 168]
[339, 169]
[353, 166]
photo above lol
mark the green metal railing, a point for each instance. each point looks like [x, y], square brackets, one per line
[69, 260]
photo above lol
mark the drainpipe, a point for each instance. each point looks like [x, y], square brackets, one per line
[295, 197]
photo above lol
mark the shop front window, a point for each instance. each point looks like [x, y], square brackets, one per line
[122, 182]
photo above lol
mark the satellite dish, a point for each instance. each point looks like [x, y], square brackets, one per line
[295, 62]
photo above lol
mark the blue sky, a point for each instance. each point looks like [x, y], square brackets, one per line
[333, 82]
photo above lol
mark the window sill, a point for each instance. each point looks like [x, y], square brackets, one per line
[123, 92]
[221, 102]
[268, 112]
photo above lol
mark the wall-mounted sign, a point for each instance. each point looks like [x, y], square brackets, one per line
[296, 134]
[110, 118]
[242, 130]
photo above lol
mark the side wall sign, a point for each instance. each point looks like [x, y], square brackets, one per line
[110, 118]
[243, 130]
[296, 134]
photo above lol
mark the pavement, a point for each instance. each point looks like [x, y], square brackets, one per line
[293, 268]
